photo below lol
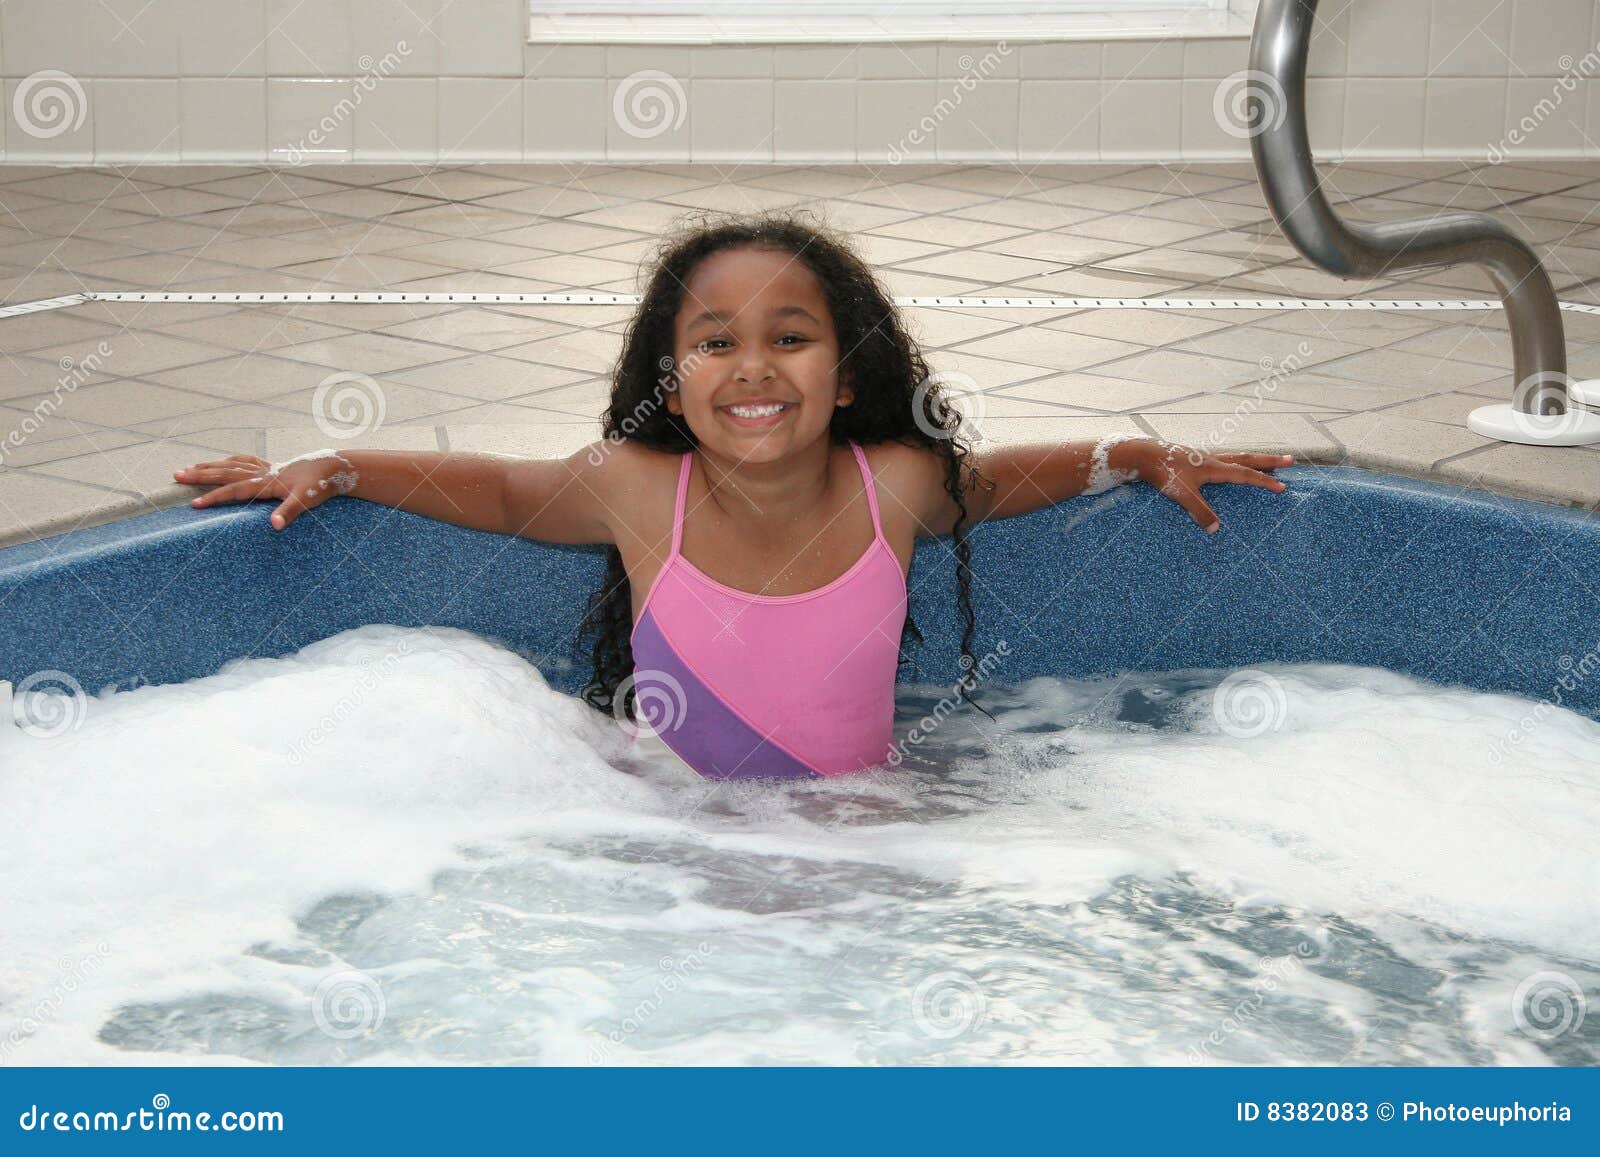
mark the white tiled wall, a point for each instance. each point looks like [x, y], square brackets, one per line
[251, 80]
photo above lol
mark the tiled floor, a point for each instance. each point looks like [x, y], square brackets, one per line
[100, 402]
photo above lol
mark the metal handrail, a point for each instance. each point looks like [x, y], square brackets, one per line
[1276, 104]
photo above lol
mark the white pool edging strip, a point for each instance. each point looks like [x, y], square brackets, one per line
[445, 298]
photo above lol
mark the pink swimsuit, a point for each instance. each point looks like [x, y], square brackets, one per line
[743, 685]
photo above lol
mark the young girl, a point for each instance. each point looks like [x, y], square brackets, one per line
[772, 451]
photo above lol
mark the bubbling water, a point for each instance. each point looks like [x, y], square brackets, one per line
[402, 846]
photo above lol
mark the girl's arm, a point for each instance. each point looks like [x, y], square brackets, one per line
[555, 500]
[1029, 475]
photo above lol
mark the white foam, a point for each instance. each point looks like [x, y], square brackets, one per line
[178, 826]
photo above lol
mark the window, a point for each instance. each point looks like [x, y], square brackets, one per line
[752, 21]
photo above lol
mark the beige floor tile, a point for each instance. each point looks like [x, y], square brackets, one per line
[23, 451]
[1386, 440]
[477, 329]
[368, 353]
[982, 266]
[1571, 475]
[256, 377]
[999, 430]
[968, 371]
[1449, 408]
[116, 403]
[250, 330]
[941, 230]
[34, 507]
[143, 469]
[1166, 367]
[1091, 391]
[1420, 371]
[368, 405]
[586, 350]
[1050, 348]
[550, 441]
[489, 377]
[1271, 350]
[287, 442]
[1274, 433]
[1147, 327]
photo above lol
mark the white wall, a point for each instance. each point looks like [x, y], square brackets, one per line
[252, 80]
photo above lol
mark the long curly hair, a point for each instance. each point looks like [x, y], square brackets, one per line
[894, 400]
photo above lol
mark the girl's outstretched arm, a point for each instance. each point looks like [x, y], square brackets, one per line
[1028, 475]
[554, 499]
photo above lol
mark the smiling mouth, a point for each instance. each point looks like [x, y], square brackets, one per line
[758, 413]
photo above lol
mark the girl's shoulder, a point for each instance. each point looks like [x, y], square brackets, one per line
[911, 482]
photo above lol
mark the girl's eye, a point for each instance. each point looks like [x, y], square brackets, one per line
[709, 342]
[795, 336]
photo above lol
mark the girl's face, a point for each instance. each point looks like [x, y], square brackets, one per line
[756, 355]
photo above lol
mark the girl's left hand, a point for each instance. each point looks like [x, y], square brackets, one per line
[1179, 472]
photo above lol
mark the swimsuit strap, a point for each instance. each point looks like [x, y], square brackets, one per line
[683, 494]
[872, 490]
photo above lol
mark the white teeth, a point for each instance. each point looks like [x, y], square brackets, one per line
[756, 411]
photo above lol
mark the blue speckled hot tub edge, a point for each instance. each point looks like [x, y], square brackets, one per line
[1461, 587]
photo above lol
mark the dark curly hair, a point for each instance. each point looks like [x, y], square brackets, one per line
[886, 368]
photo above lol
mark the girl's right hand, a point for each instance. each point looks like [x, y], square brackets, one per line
[301, 482]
